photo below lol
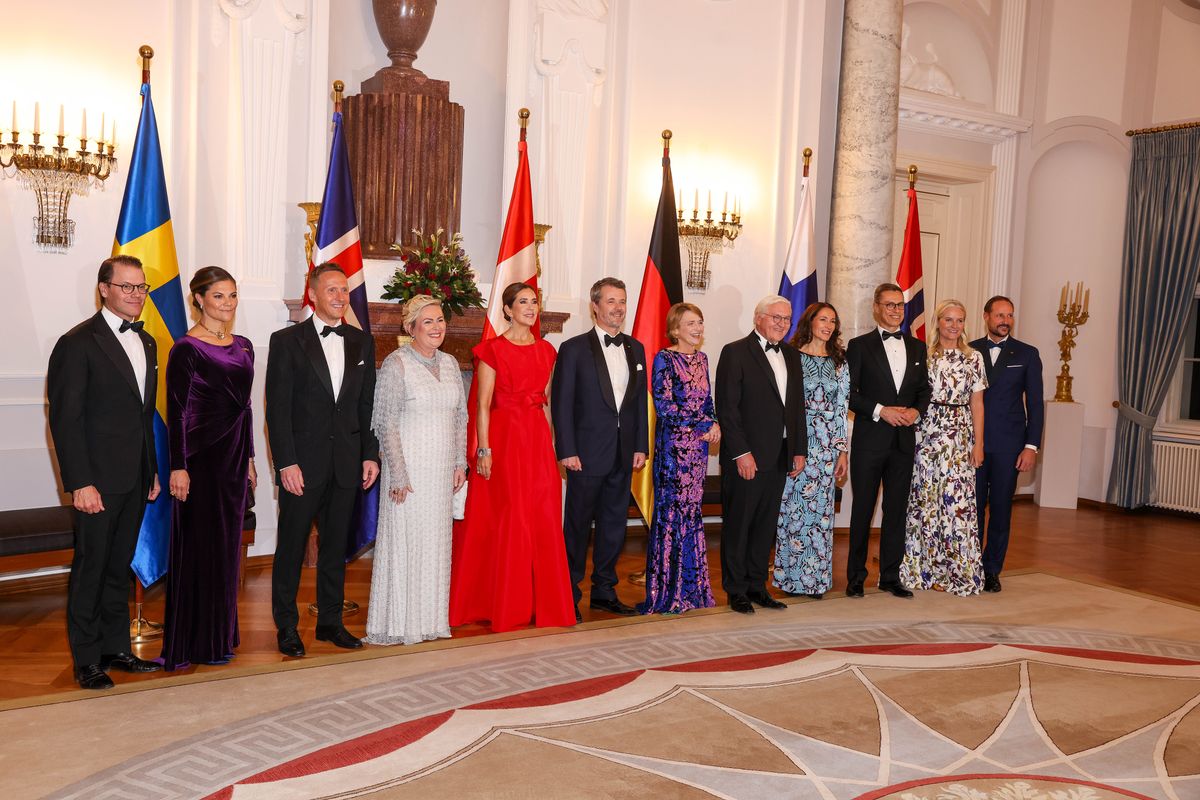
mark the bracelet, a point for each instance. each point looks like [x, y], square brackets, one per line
[483, 451]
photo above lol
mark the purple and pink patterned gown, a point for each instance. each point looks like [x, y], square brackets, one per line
[677, 553]
[209, 423]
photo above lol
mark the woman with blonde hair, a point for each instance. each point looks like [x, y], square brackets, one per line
[420, 418]
[941, 544]
[685, 425]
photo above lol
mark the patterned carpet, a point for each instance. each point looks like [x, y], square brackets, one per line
[1052, 690]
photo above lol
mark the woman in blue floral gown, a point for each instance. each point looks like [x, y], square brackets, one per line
[677, 553]
[804, 535]
[941, 542]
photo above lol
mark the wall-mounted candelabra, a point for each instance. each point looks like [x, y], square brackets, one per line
[706, 235]
[1072, 313]
[54, 173]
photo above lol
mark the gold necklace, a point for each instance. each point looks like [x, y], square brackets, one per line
[219, 334]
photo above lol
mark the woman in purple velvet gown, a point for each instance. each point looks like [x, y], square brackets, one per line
[209, 375]
[676, 552]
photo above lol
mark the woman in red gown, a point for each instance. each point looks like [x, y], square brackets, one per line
[509, 565]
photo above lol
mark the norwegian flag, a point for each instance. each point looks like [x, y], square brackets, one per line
[908, 276]
[337, 242]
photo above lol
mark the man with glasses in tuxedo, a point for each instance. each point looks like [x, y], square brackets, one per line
[760, 408]
[101, 383]
[889, 391]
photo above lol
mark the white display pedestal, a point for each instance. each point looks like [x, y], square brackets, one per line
[1062, 449]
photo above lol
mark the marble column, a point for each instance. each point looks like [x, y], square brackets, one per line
[860, 247]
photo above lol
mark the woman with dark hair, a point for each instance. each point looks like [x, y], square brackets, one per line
[209, 375]
[804, 536]
[509, 564]
[677, 577]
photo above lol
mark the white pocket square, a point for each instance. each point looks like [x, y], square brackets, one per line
[1015, 366]
[361, 363]
[639, 366]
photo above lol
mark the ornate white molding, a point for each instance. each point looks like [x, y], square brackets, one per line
[927, 113]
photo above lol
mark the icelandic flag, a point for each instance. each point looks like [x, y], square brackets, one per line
[144, 231]
[799, 282]
[908, 276]
[337, 242]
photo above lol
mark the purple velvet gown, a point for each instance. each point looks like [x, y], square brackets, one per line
[209, 422]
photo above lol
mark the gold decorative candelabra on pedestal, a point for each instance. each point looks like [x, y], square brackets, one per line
[1072, 315]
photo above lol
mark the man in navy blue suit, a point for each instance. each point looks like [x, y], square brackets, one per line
[1012, 429]
[598, 404]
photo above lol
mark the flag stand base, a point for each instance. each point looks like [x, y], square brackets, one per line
[349, 608]
[142, 630]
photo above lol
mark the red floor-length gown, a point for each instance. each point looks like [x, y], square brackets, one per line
[509, 564]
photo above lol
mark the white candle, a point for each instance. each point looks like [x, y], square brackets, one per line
[62, 129]
[696, 203]
[1087, 296]
[102, 126]
[113, 140]
[83, 127]
[710, 202]
[725, 203]
[14, 127]
[37, 117]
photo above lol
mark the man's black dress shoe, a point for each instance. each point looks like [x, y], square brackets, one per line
[578, 616]
[991, 583]
[765, 600]
[128, 662]
[895, 589]
[338, 636]
[92, 676]
[854, 590]
[741, 604]
[290, 644]
[613, 607]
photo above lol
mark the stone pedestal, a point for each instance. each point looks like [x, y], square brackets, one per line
[860, 246]
[1062, 449]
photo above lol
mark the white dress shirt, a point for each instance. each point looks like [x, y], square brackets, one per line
[618, 367]
[778, 366]
[131, 343]
[897, 356]
[335, 354]
[994, 352]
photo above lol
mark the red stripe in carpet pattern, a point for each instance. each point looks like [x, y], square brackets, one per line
[563, 693]
[912, 649]
[1107, 655]
[739, 663]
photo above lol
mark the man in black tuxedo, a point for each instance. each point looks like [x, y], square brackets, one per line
[101, 382]
[889, 391]
[760, 407]
[320, 392]
[1012, 429]
[598, 404]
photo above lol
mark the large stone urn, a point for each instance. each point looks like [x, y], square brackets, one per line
[403, 26]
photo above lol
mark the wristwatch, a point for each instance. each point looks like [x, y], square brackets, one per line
[483, 451]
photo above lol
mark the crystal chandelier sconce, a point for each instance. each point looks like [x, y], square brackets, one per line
[56, 172]
[706, 235]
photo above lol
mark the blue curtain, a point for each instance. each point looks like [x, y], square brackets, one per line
[1160, 268]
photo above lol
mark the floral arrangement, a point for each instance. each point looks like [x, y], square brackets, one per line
[437, 268]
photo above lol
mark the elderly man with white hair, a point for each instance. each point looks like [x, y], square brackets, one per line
[760, 407]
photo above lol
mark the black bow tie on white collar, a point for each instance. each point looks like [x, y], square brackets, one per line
[888, 335]
[136, 327]
[618, 340]
[992, 344]
[775, 347]
[340, 330]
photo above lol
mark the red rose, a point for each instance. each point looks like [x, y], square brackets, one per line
[428, 251]
[445, 291]
[425, 291]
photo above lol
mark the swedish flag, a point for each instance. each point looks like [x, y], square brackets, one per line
[144, 230]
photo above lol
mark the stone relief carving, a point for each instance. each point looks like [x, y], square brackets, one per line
[924, 76]
[590, 9]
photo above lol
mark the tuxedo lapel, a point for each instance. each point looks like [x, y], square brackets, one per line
[629, 360]
[875, 347]
[310, 343]
[352, 353]
[1006, 355]
[107, 341]
[151, 369]
[759, 356]
[606, 389]
[982, 346]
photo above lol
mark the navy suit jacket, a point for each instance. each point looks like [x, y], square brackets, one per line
[584, 407]
[1012, 404]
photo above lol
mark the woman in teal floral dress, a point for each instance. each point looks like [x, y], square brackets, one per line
[941, 544]
[804, 534]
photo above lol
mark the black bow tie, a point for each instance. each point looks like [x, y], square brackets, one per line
[126, 325]
[774, 347]
[339, 330]
[896, 335]
[992, 344]
[618, 340]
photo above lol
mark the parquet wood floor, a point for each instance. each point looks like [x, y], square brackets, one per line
[1155, 553]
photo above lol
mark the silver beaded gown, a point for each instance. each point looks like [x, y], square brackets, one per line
[420, 418]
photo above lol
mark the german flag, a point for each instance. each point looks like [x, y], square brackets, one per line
[662, 287]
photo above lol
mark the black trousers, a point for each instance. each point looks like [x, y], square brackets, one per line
[750, 516]
[332, 506]
[604, 500]
[868, 468]
[98, 593]
[995, 483]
